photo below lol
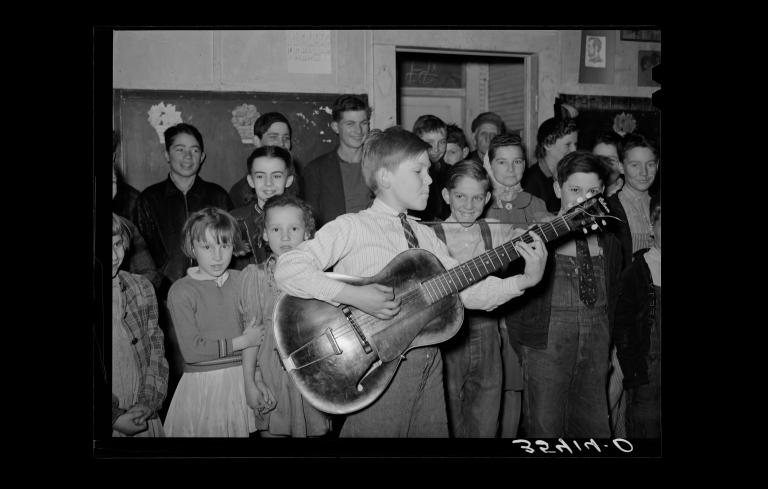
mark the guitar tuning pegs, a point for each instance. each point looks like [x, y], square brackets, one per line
[594, 226]
[603, 221]
[585, 230]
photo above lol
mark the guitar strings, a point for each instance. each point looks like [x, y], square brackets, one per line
[413, 294]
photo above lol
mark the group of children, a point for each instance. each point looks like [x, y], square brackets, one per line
[537, 338]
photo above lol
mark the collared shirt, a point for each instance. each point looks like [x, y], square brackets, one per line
[636, 205]
[465, 243]
[363, 244]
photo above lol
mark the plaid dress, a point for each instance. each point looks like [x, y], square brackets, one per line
[139, 367]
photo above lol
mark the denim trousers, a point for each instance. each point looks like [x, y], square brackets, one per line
[512, 390]
[565, 384]
[412, 406]
[473, 378]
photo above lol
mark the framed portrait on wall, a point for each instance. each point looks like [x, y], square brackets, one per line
[646, 60]
[594, 54]
[597, 55]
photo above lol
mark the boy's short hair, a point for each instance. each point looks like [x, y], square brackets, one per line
[288, 200]
[121, 228]
[429, 123]
[550, 131]
[636, 140]
[221, 223]
[182, 128]
[455, 135]
[491, 118]
[265, 121]
[582, 162]
[609, 138]
[346, 103]
[387, 149]
[655, 207]
[467, 168]
[501, 140]
[271, 152]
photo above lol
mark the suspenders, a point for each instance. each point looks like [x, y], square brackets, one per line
[485, 231]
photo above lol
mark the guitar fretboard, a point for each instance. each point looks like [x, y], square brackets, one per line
[476, 269]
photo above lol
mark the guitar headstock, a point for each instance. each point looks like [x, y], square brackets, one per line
[588, 215]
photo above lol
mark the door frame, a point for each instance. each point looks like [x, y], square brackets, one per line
[384, 84]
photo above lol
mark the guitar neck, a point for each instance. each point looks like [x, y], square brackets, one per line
[476, 269]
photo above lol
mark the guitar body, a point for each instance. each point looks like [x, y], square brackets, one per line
[342, 359]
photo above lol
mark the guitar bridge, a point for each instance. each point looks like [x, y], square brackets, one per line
[317, 349]
[358, 331]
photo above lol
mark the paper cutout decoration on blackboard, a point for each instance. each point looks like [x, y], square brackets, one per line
[624, 124]
[161, 117]
[243, 118]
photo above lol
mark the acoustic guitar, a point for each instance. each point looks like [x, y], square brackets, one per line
[341, 359]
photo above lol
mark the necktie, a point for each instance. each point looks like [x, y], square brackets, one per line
[587, 287]
[410, 236]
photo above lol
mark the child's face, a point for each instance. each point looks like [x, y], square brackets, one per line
[277, 135]
[562, 146]
[639, 168]
[212, 257]
[483, 135]
[454, 153]
[408, 186]
[609, 151]
[437, 144]
[508, 165]
[185, 155]
[577, 185]
[467, 200]
[268, 177]
[284, 229]
[118, 253]
[352, 128]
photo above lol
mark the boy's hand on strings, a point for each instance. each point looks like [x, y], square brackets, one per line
[127, 424]
[375, 299]
[535, 256]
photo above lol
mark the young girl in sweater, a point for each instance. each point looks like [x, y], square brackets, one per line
[280, 408]
[210, 399]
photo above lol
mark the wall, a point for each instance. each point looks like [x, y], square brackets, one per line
[625, 67]
[234, 61]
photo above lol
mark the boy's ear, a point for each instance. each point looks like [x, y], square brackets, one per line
[202, 158]
[264, 236]
[446, 195]
[621, 167]
[464, 152]
[383, 178]
[289, 181]
[256, 141]
[487, 197]
[250, 181]
[335, 127]
[556, 186]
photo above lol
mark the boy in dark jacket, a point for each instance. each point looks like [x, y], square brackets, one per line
[638, 334]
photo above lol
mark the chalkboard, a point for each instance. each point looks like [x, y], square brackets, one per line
[217, 115]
